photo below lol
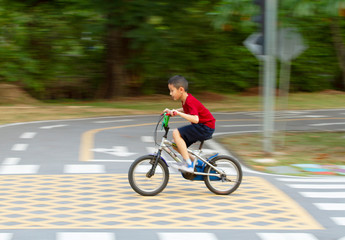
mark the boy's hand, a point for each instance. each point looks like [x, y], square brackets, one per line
[172, 112]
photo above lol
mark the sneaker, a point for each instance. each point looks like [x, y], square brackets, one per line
[187, 167]
[177, 165]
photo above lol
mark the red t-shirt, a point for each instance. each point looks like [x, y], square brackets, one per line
[192, 106]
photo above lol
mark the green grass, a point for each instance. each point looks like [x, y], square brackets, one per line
[293, 147]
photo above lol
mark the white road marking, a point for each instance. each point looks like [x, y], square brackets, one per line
[186, 236]
[53, 126]
[314, 116]
[6, 236]
[243, 125]
[317, 186]
[27, 135]
[84, 168]
[119, 151]
[147, 139]
[326, 124]
[323, 194]
[20, 147]
[114, 121]
[85, 236]
[286, 236]
[339, 220]
[112, 160]
[19, 169]
[331, 206]
[11, 161]
[313, 180]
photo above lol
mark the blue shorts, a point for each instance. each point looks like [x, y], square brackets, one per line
[195, 132]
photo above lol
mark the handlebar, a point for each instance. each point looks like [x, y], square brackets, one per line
[166, 119]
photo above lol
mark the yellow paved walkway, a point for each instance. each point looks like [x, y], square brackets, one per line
[106, 201]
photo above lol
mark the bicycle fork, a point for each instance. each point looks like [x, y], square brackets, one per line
[154, 163]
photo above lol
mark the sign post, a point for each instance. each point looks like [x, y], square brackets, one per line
[269, 78]
[264, 46]
[290, 46]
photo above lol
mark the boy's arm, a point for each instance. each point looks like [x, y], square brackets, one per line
[188, 117]
[179, 112]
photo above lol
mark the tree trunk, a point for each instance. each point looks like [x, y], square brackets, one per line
[339, 47]
[116, 77]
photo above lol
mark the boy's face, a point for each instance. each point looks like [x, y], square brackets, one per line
[174, 92]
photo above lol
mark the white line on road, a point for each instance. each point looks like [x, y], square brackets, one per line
[317, 186]
[186, 236]
[339, 220]
[112, 160]
[11, 161]
[286, 236]
[53, 126]
[114, 121]
[331, 206]
[323, 194]
[6, 236]
[20, 147]
[85, 236]
[19, 169]
[243, 125]
[27, 135]
[84, 168]
[147, 139]
[326, 124]
[313, 180]
[314, 116]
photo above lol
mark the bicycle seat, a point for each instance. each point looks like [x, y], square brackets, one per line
[202, 142]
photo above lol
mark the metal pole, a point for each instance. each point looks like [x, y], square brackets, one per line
[269, 73]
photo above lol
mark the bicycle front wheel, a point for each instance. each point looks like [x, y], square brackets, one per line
[230, 175]
[144, 184]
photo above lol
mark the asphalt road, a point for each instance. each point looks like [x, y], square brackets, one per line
[67, 180]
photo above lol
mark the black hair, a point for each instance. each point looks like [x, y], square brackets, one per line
[179, 81]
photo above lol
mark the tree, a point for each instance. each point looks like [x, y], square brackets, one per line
[294, 13]
[334, 11]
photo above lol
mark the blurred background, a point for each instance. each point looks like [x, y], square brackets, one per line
[105, 49]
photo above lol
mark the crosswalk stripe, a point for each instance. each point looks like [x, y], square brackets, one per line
[286, 236]
[318, 186]
[19, 169]
[331, 206]
[84, 168]
[186, 236]
[11, 161]
[339, 220]
[313, 180]
[6, 236]
[323, 194]
[85, 236]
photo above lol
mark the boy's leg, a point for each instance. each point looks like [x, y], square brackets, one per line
[181, 144]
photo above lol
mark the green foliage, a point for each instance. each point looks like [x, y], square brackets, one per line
[57, 48]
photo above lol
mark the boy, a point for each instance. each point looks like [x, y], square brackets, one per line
[203, 123]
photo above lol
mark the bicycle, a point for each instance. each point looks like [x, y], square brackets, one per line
[149, 175]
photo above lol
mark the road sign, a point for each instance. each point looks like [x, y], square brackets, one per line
[254, 44]
[290, 44]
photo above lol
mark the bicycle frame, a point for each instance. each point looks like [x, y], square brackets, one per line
[165, 144]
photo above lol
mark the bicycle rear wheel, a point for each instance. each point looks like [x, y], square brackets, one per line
[230, 179]
[139, 180]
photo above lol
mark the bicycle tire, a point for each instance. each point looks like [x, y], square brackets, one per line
[147, 186]
[233, 170]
